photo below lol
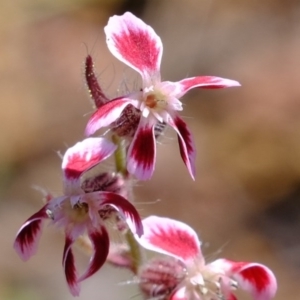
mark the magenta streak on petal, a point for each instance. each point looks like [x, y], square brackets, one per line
[177, 242]
[29, 234]
[77, 165]
[205, 82]
[69, 267]
[95, 90]
[124, 207]
[138, 48]
[142, 151]
[171, 237]
[85, 155]
[231, 297]
[178, 295]
[186, 144]
[100, 242]
[256, 275]
[107, 114]
[135, 43]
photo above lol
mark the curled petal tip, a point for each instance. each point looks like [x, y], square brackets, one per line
[127, 211]
[186, 144]
[69, 267]
[232, 83]
[258, 280]
[100, 241]
[139, 229]
[254, 278]
[75, 289]
[90, 129]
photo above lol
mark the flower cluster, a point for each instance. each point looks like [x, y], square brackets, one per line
[90, 198]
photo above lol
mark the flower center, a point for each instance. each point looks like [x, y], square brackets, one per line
[151, 101]
[155, 101]
[75, 214]
[78, 213]
[209, 284]
[208, 288]
[81, 208]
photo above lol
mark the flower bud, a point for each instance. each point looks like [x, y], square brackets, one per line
[160, 277]
[107, 182]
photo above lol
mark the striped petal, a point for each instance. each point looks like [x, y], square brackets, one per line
[85, 155]
[206, 82]
[69, 267]
[100, 241]
[29, 234]
[108, 113]
[136, 44]
[123, 206]
[186, 143]
[170, 237]
[254, 278]
[142, 150]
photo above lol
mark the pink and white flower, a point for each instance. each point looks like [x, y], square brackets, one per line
[183, 274]
[136, 44]
[78, 211]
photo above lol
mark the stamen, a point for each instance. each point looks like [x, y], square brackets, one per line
[151, 101]
[50, 214]
[234, 284]
[83, 207]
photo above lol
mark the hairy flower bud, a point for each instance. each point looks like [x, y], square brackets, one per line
[127, 124]
[160, 277]
[106, 182]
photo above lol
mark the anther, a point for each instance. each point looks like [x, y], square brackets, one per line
[50, 214]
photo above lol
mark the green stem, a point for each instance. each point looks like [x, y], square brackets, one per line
[120, 155]
[134, 250]
[120, 162]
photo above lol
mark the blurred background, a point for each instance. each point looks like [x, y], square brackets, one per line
[245, 202]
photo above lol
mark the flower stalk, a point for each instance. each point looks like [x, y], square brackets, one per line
[120, 155]
[134, 251]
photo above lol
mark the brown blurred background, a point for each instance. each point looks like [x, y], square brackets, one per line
[245, 203]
